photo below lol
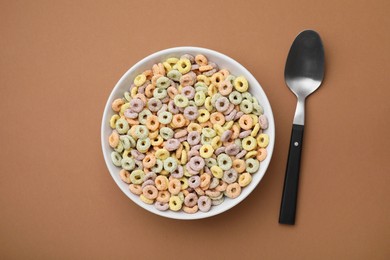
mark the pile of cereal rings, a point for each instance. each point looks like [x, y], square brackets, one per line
[187, 134]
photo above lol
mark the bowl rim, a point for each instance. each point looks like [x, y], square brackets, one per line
[204, 51]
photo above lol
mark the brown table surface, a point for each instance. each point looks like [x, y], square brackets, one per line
[59, 61]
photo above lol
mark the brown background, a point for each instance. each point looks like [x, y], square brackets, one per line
[59, 60]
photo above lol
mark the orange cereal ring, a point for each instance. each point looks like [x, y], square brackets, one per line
[113, 139]
[155, 78]
[149, 161]
[149, 90]
[163, 196]
[172, 92]
[148, 74]
[199, 191]
[152, 123]
[205, 68]
[125, 176]
[156, 142]
[174, 186]
[161, 69]
[224, 72]
[178, 151]
[155, 69]
[236, 132]
[150, 192]
[132, 121]
[233, 190]
[221, 186]
[161, 182]
[239, 165]
[153, 134]
[216, 78]
[261, 154]
[217, 118]
[190, 210]
[205, 180]
[206, 124]
[116, 104]
[178, 120]
[135, 189]
[246, 122]
[201, 60]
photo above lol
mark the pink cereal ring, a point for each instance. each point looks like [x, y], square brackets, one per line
[137, 105]
[148, 182]
[241, 154]
[150, 192]
[194, 181]
[135, 189]
[180, 133]
[204, 203]
[245, 133]
[226, 135]
[263, 121]
[162, 206]
[220, 150]
[191, 200]
[172, 144]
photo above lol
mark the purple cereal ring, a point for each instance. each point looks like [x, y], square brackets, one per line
[162, 206]
[188, 92]
[230, 176]
[196, 147]
[190, 170]
[222, 104]
[137, 155]
[141, 89]
[193, 138]
[214, 183]
[226, 135]
[194, 181]
[182, 139]
[230, 109]
[241, 154]
[138, 164]
[207, 170]
[212, 64]
[130, 114]
[150, 176]
[192, 153]
[194, 66]
[232, 149]
[197, 163]
[263, 121]
[191, 200]
[191, 112]
[244, 134]
[231, 116]
[238, 115]
[189, 57]
[154, 104]
[172, 144]
[180, 133]
[148, 182]
[204, 203]
[137, 105]
[178, 173]
[173, 108]
[219, 150]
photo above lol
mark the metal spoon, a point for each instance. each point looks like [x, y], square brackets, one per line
[303, 74]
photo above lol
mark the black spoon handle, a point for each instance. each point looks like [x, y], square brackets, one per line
[290, 189]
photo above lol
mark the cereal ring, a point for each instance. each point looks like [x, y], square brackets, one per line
[249, 143]
[230, 176]
[163, 82]
[251, 154]
[206, 151]
[246, 106]
[160, 93]
[143, 116]
[217, 118]
[191, 200]
[183, 65]
[161, 182]
[145, 200]
[137, 176]
[143, 145]
[225, 88]
[252, 165]
[244, 179]
[216, 142]
[261, 154]
[239, 165]
[162, 154]
[174, 75]
[246, 122]
[201, 60]
[158, 166]
[194, 181]
[208, 105]
[204, 115]
[116, 104]
[212, 90]
[152, 123]
[178, 172]
[217, 171]
[150, 176]
[241, 84]
[127, 164]
[220, 150]
[122, 126]
[119, 148]
[139, 80]
[125, 176]
[156, 141]
[178, 120]
[233, 190]
[116, 158]
[197, 163]
[135, 189]
[217, 78]
[262, 140]
[232, 149]
[221, 186]
[172, 144]
[175, 203]
[161, 206]
[170, 164]
[210, 162]
[149, 161]
[224, 161]
[150, 192]
[194, 127]
[214, 183]
[191, 113]
[193, 138]
[113, 139]
[163, 195]
[204, 203]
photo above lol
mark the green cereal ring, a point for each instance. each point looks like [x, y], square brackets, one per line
[174, 75]
[246, 106]
[210, 162]
[235, 97]
[230, 78]
[143, 145]
[165, 117]
[141, 131]
[163, 82]
[158, 166]
[257, 109]
[247, 96]
[170, 164]
[122, 126]
[249, 143]
[209, 132]
[200, 84]
[128, 164]
[127, 96]
[254, 101]
[137, 177]
[119, 147]
[143, 116]
[191, 103]
[166, 133]
[199, 98]
[201, 89]
[205, 140]
[180, 101]
[252, 165]
[238, 143]
[125, 141]
[132, 141]
[116, 158]
[214, 99]
[224, 161]
[160, 93]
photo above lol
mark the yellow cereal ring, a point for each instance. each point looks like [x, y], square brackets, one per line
[255, 130]
[207, 104]
[254, 118]
[206, 151]
[139, 80]
[153, 135]
[156, 141]
[212, 90]
[204, 115]
[203, 78]
[184, 183]
[183, 66]
[126, 154]
[167, 66]
[219, 129]
[184, 157]
[133, 92]
[216, 171]
[146, 200]
[123, 108]
[216, 142]
[244, 179]
[186, 146]
[186, 173]
[164, 172]
[162, 154]
[241, 84]
[262, 140]
[249, 143]
[113, 120]
[175, 203]
[194, 127]
[251, 154]
[228, 125]
[172, 61]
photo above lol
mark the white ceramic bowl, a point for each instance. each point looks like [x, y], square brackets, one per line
[222, 61]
